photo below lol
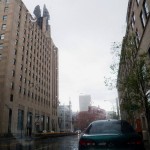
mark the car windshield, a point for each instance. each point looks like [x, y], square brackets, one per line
[109, 127]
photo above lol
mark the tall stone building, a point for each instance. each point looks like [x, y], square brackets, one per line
[28, 70]
[138, 25]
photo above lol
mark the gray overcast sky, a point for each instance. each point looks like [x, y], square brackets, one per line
[83, 31]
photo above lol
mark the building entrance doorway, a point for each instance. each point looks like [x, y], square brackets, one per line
[29, 124]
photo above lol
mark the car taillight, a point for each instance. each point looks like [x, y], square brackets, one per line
[86, 143]
[137, 142]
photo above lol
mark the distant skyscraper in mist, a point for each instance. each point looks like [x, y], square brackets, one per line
[84, 102]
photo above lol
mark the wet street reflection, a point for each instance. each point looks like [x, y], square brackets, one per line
[58, 143]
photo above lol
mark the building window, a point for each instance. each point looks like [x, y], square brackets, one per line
[15, 51]
[24, 80]
[7, 1]
[14, 61]
[138, 1]
[16, 42]
[3, 26]
[28, 93]
[20, 77]
[19, 14]
[146, 9]
[25, 70]
[12, 85]
[24, 31]
[21, 67]
[29, 82]
[18, 25]
[1, 46]
[42, 122]
[29, 121]
[6, 9]
[20, 119]
[13, 73]
[32, 95]
[22, 57]
[133, 17]
[11, 97]
[149, 52]
[47, 123]
[23, 48]
[4, 18]
[137, 38]
[138, 35]
[35, 97]
[33, 75]
[2, 36]
[26, 61]
[142, 19]
[0, 56]
[132, 24]
[17, 33]
[19, 89]
[24, 92]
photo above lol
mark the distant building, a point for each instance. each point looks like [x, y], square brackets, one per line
[65, 118]
[97, 112]
[84, 102]
[84, 118]
[111, 115]
[28, 70]
[75, 121]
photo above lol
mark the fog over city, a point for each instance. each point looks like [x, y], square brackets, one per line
[84, 31]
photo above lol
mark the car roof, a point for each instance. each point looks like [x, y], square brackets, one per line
[108, 120]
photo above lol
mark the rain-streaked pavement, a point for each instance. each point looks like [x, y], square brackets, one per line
[59, 143]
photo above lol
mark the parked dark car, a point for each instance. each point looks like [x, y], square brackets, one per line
[110, 135]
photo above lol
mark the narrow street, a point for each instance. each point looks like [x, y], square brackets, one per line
[58, 143]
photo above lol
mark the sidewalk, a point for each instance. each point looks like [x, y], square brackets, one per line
[37, 136]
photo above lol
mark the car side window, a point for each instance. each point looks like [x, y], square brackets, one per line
[87, 131]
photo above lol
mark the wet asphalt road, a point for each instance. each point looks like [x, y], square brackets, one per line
[59, 143]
